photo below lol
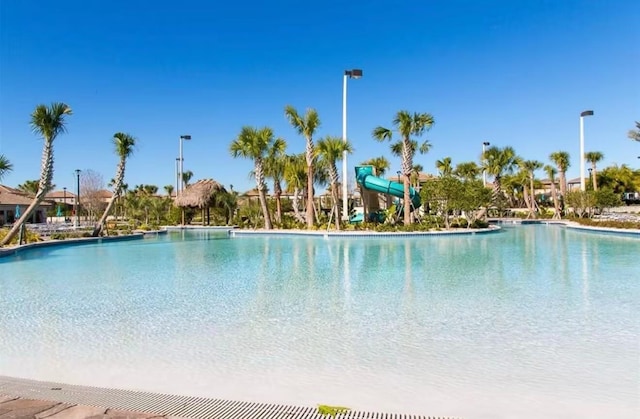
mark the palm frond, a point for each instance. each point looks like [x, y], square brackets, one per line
[382, 134]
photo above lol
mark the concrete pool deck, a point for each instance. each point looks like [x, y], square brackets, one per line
[22, 398]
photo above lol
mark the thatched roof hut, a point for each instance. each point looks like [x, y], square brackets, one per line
[199, 194]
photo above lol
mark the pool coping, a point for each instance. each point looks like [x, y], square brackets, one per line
[161, 404]
[362, 233]
[572, 225]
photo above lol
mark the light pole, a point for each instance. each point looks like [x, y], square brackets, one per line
[177, 175]
[77, 206]
[583, 186]
[182, 137]
[485, 144]
[348, 74]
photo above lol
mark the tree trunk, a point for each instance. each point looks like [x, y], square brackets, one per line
[310, 215]
[527, 201]
[44, 186]
[277, 191]
[556, 204]
[296, 202]
[594, 173]
[533, 198]
[261, 193]
[407, 166]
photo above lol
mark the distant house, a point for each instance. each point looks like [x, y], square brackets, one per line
[14, 202]
[61, 197]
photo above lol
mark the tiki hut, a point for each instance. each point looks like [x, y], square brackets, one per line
[199, 195]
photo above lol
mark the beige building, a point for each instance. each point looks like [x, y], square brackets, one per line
[13, 203]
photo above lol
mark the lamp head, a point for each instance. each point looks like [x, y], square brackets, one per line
[185, 137]
[586, 113]
[486, 143]
[353, 74]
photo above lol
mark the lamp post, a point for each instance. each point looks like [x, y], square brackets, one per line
[583, 186]
[485, 144]
[181, 182]
[348, 74]
[177, 175]
[77, 203]
[64, 200]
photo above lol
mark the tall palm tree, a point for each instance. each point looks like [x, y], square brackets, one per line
[274, 165]
[562, 162]
[306, 126]
[407, 125]
[530, 166]
[497, 162]
[124, 144]
[467, 170]
[634, 134]
[551, 174]
[254, 143]
[48, 122]
[295, 176]
[5, 166]
[380, 164]
[594, 157]
[331, 149]
[444, 166]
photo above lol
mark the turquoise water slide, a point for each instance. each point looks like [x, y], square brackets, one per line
[365, 177]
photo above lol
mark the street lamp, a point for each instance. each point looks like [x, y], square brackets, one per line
[485, 144]
[348, 74]
[583, 186]
[77, 203]
[64, 199]
[177, 175]
[182, 137]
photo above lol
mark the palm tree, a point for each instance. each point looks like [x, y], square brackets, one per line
[274, 168]
[48, 122]
[415, 175]
[380, 164]
[169, 190]
[30, 187]
[306, 126]
[551, 173]
[634, 134]
[253, 143]
[407, 125]
[444, 166]
[562, 162]
[332, 149]
[295, 176]
[497, 163]
[594, 157]
[186, 177]
[530, 166]
[467, 170]
[5, 166]
[124, 144]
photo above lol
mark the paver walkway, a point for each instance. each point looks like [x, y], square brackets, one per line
[16, 408]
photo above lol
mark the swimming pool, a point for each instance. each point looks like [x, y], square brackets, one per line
[532, 321]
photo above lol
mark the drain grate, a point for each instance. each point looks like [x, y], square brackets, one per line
[170, 405]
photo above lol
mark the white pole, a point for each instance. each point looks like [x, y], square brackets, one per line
[177, 176]
[345, 204]
[583, 187]
[181, 181]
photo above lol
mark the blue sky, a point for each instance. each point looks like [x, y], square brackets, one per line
[510, 72]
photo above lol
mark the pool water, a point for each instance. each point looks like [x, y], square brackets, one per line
[533, 321]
